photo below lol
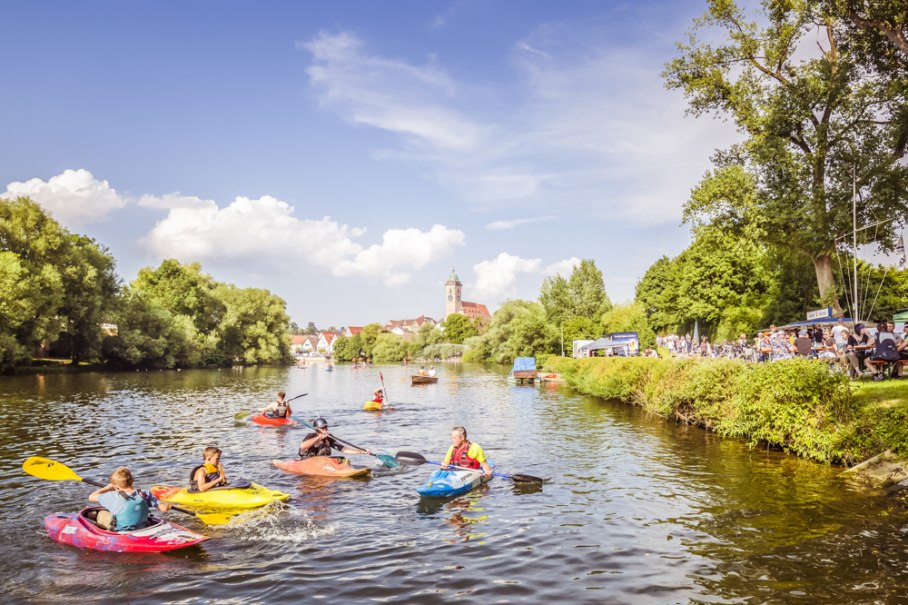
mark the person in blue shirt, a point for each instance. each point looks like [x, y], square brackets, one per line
[126, 507]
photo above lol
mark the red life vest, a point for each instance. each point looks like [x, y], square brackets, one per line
[459, 456]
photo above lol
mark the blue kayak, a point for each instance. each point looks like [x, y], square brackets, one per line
[443, 484]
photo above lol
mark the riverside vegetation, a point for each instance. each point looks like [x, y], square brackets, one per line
[796, 405]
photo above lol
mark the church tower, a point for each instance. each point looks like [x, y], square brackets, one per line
[453, 287]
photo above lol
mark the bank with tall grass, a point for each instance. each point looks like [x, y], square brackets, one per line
[797, 405]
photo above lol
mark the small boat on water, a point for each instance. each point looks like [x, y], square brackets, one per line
[266, 420]
[373, 406]
[446, 483]
[220, 498]
[424, 379]
[80, 529]
[322, 466]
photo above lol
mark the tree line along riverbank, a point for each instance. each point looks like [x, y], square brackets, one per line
[797, 405]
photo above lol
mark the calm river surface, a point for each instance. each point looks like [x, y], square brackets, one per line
[637, 510]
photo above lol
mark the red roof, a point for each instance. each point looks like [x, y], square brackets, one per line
[354, 330]
[477, 308]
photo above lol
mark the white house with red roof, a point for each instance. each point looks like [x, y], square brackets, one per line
[325, 343]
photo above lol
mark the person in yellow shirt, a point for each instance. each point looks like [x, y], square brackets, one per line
[465, 453]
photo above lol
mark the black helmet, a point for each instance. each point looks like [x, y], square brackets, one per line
[320, 423]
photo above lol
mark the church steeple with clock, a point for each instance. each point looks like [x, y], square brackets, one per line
[453, 303]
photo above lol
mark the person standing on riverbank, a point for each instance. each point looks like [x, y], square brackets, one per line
[465, 453]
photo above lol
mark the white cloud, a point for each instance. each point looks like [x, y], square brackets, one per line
[387, 94]
[75, 197]
[497, 278]
[265, 231]
[504, 225]
[563, 267]
[590, 127]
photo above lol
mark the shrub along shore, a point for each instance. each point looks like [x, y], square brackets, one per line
[796, 405]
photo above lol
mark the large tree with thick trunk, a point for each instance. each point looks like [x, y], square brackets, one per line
[817, 120]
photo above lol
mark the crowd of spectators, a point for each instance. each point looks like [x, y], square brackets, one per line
[864, 351]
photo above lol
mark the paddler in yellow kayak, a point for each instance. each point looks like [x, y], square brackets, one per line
[209, 474]
[378, 396]
[320, 443]
[465, 453]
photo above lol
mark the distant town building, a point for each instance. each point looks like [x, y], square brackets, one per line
[351, 331]
[325, 342]
[454, 303]
[402, 327]
[303, 344]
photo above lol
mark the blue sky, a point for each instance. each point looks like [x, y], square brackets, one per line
[346, 155]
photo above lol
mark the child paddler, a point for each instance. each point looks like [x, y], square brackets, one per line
[209, 474]
[125, 507]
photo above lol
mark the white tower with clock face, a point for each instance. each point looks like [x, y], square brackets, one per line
[453, 287]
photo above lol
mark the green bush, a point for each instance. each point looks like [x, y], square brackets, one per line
[797, 405]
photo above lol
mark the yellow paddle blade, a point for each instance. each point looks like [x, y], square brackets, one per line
[44, 468]
[214, 518]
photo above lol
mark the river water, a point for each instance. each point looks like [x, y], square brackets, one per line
[635, 509]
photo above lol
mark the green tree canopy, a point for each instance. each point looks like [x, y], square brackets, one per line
[458, 328]
[810, 125]
[518, 329]
[581, 295]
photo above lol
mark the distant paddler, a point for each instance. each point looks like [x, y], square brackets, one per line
[280, 408]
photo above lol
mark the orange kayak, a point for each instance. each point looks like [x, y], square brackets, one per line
[321, 466]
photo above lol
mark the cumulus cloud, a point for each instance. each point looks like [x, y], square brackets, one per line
[497, 278]
[75, 197]
[562, 267]
[265, 230]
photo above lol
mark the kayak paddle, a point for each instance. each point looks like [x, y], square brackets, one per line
[242, 415]
[386, 400]
[414, 459]
[386, 459]
[43, 468]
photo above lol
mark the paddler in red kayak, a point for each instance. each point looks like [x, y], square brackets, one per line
[465, 453]
[209, 474]
[279, 408]
[125, 507]
[320, 443]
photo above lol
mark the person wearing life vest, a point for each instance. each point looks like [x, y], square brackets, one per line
[209, 474]
[280, 408]
[321, 442]
[378, 395]
[125, 507]
[465, 453]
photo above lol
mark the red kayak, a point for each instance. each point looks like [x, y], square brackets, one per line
[269, 421]
[80, 530]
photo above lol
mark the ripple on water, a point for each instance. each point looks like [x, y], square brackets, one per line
[637, 510]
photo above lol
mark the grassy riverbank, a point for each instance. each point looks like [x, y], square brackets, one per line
[796, 405]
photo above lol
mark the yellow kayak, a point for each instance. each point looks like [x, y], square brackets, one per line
[373, 406]
[253, 496]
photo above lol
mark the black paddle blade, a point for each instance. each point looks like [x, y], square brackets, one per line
[410, 458]
[521, 478]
